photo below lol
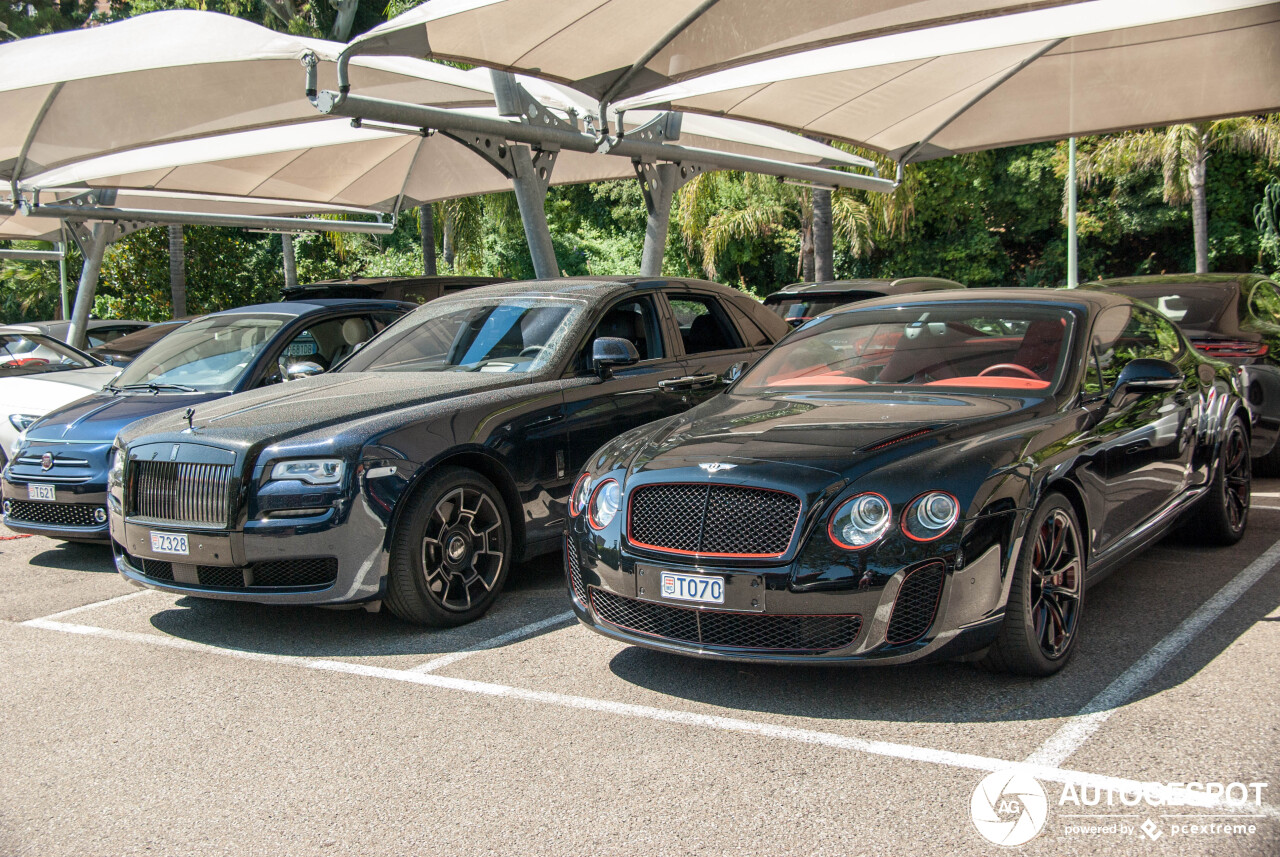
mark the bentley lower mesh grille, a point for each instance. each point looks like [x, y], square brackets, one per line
[755, 631]
[573, 567]
[916, 605]
[312, 573]
[181, 492]
[712, 520]
[54, 514]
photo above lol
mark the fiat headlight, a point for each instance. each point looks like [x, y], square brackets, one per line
[22, 422]
[930, 516]
[606, 500]
[860, 521]
[313, 471]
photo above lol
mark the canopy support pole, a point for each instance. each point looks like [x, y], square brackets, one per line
[1073, 261]
[106, 211]
[659, 182]
[94, 247]
[62, 278]
[531, 179]
[33, 255]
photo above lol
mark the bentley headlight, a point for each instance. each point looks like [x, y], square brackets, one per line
[605, 503]
[580, 495]
[930, 516]
[313, 471]
[860, 521]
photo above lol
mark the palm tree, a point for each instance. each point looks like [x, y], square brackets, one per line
[1182, 153]
[177, 272]
[717, 208]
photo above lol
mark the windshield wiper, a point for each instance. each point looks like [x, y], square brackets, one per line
[156, 388]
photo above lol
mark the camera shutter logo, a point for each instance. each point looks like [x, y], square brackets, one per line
[1009, 808]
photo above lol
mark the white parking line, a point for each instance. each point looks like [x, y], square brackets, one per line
[97, 604]
[1082, 725]
[905, 752]
[492, 643]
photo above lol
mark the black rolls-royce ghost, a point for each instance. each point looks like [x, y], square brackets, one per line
[912, 478]
[415, 472]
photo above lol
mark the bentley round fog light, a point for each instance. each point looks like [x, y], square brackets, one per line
[605, 503]
[860, 521]
[100, 515]
[930, 516]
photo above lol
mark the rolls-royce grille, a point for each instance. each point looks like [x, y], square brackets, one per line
[311, 573]
[712, 520]
[917, 602]
[757, 631]
[574, 569]
[180, 492]
[54, 514]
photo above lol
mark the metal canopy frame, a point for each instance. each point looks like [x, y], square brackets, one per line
[524, 144]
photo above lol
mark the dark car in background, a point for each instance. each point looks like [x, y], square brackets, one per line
[121, 352]
[799, 302]
[912, 478]
[1230, 317]
[56, 483]
[420, 469]
[97, 331]
[415, 290]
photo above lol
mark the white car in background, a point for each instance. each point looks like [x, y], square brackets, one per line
[37, 375]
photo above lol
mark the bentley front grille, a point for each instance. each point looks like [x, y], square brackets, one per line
[768, 632]
[182, 493]
[916, 604]
[712, 520]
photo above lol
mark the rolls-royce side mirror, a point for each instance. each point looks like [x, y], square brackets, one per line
[608, 352]
[303, 369]
[1146, 375]
[735, 371]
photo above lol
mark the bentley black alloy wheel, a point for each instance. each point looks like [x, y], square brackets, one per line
[1046, 596]
[1222, 515]
[451, 552]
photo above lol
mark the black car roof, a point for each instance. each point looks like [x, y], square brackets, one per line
[884, 285]
[306, 307]
[588, 288]
[1093, 300]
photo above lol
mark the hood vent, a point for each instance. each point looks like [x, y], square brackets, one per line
[905, 436]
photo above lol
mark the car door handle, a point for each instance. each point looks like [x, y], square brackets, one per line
[542, 421]
[689, 382]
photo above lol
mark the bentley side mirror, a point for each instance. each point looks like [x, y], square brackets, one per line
[608, 352]
[1146, 375]
[304, 369]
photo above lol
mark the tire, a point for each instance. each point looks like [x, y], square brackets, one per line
[451, 552]
[1221, 516]
[1042, 622]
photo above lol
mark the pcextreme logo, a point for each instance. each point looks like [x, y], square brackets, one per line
[1009, 808]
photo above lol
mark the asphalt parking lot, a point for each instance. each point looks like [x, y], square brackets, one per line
[142, 723]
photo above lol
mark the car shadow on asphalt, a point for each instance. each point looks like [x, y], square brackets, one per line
[76, 556]
[1128, 613]
[534, 593]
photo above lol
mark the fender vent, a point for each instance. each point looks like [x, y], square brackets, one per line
[916, 605]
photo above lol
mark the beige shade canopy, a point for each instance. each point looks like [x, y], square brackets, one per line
[1121, 64]
[331, 162]
[177, 75]
[590, 43]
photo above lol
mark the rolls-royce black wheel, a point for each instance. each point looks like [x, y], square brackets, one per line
[1222, 514]
[1046, 596]
[451, 550]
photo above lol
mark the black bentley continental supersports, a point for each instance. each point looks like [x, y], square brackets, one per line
[918, 477]
[417, 470]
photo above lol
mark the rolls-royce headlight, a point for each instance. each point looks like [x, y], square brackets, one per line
[580, 495]
[605, 503]
[860, 521]
[930, 516]
[115, 475]
[313, 471]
